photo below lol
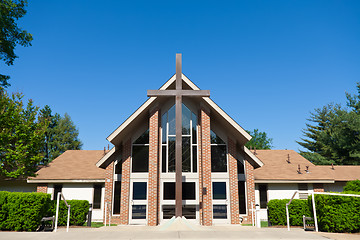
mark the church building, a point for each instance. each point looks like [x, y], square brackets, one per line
[217, 169]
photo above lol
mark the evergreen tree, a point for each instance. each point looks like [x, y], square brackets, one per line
[259, 140]
[21, 137]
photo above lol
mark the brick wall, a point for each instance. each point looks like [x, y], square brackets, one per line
[250, 188]
[233, 182]
[109, 172]
[206, 168]
[125, 183]
[318, 187]
[42, 187]
[153, 193]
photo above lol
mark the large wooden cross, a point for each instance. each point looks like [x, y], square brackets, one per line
[178, 93]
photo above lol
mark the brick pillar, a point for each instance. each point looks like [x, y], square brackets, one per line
[125, 183]
[233, 181]
[318, 187]
[42, 187]
[109, 179]
[206, 168]
[153, 168]
[250, 188]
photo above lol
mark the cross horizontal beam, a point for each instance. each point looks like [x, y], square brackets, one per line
[187, 93]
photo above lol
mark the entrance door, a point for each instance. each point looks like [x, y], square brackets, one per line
[221, 206]
[138, 202]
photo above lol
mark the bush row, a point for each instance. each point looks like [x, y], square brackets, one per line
[24, 211]
[297, 208]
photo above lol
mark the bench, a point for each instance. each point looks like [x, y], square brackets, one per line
[46, 227]
[307, 225]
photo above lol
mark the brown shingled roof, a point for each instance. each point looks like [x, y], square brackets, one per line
[276, 167]
[343, 173]
[73, 165]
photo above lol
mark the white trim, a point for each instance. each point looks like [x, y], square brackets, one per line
[294, 181]
[65, 180]
[252, 156]
[105, 157]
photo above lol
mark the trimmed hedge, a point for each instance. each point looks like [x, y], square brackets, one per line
[78, 212]
[297, 208]
[337, 213]
[22, 211]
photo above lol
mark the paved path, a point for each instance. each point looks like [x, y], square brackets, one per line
[138, 232]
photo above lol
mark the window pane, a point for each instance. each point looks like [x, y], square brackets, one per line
[117, 197]
[57, 189]
[219, 211]
[163, 127]
[219, 190]
[218, 158]
[168, 211]
[189, 211]
[140, 159]
[169, 191]
[240, 167]
[194, 124]
[163, 163]
[186, 154]
[186, 116]
[97, 197]
[143, 139]
[188, 191]
[118, 167]
[242, 197]
[139, 191]
[263, 196]
[215, 139]
[171, 155]
[171, 120]
[139, 212]
[194, 159]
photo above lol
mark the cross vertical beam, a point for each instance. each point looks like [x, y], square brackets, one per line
[178, 146]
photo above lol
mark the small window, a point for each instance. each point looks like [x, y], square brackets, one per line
[240, 167]
[218, 158]
[168, 211]
[219, 190]
[97, 197]
[263, 196]
[189, 211]
[219, 211]
[140, 159]
[117, 197]
[188, 191]
[57, 189]
[139, 190]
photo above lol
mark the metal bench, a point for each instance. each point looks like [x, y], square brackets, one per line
[46, 227]
[307, 225]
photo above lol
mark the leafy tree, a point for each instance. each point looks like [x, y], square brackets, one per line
[353, 186]
[10, 34]
[61, 135]
[259, 140]
[334, 133]
[21, 137]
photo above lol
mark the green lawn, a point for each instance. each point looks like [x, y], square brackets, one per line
[98, 224]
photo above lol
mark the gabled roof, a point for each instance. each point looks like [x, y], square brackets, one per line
[72, 166]
[343, 173]
[125, 129]
[277, 169]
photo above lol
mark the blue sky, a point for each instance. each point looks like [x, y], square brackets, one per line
[266, 63]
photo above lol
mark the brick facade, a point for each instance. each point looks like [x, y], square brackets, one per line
[250, 190]
[109, 179]
[153, 181]
[318, 187]
[205, 174]
[42, 187]
[233, 182]
[125, 183]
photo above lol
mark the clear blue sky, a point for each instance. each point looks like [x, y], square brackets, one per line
[266, 63]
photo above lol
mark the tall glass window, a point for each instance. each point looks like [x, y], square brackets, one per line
[218, 153]
[140, 153]
[189, 140]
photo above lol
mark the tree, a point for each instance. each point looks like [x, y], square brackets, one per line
[334, 133]
[259, 140]
[21, 137]
[61, 135]
[10, 34]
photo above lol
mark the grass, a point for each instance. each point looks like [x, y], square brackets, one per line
[98, 224]
[263, 224]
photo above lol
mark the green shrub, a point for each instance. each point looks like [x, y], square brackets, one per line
[78, 212]
[22, 211]
[297, 208]
[337, 213]
[353, 186]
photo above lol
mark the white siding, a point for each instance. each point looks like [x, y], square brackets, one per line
[81, 191]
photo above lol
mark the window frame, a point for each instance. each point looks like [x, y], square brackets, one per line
[97, 187]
